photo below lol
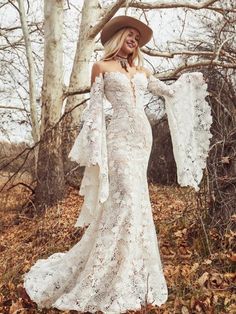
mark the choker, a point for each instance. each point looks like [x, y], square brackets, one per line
[123, 61]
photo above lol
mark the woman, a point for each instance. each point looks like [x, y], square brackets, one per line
[116, 265]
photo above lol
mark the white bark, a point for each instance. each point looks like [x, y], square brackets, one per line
[30, 60]
[50, 174]
[52, 91]
[80, 75]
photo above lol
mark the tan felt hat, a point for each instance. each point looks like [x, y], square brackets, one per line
[122, 21]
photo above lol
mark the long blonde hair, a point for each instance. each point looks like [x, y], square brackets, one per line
[113, 45]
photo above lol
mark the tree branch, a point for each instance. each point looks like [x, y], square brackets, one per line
[80, 91]
[169, 5]
[14, 5]
[24, 184]
[13, 108]
[10, 29]
[3, 4]
[106, 15]
[200, 64]
[221, 46]
[167, 54]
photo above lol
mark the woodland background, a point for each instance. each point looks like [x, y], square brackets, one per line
[46, 53]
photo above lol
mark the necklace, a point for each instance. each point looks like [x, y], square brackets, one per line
[123, 61]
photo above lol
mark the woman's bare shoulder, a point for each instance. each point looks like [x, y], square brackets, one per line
[99, 67]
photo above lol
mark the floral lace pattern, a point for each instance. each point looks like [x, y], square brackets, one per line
[90, 150]
[189, 118]
[116, 266]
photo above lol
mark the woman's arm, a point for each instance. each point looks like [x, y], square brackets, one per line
[156, 86]
[159, 88]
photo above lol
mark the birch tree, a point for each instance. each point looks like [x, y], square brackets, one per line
[50, 173]
[30, 60]
[20, 70]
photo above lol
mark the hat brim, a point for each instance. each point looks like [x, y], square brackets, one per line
[119, 22]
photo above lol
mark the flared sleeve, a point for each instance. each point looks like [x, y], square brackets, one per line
[189, 118]
[90, 150]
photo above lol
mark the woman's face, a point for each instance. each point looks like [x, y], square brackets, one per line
[131, 41]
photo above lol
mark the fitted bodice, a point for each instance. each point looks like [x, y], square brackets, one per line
[124, 93]
[126, 96]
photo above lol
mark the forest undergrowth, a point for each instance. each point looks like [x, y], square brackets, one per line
[197, 257]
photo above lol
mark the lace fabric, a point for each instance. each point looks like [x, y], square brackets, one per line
[189, 119]
[90, 150]
[116, 266]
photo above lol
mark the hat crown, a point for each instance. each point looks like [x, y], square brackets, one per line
[122, 21]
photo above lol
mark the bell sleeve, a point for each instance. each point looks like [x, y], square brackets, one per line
[189, 118]
[90, 150]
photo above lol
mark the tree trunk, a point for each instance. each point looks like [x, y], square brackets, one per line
[30, 60]
[80, 77]
[162, 167]
[50, 174]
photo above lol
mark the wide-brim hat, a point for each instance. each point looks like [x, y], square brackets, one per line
[119, 22]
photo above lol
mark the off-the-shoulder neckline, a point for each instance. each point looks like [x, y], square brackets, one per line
[130, 78]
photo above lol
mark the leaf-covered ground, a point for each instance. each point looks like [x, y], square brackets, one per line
[197, 259]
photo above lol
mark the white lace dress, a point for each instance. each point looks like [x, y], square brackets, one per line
[116, 265]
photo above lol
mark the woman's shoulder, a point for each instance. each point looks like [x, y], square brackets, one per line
[99, 67]
[102, 65]
[99, 64]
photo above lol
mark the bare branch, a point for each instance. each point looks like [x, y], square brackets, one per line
[14, 5]
[24, 184]
[206, 63]
[106, 15]
[169, 5]
[68, 4]
[3, 4]
[10, 29]
[221, 46]
[17, 43]
[13, 108]
[167, 54]
[29, 149]
[80, 91]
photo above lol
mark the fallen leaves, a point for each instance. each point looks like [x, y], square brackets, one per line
[198, 282]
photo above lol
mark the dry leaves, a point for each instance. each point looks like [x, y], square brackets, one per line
[198, 281]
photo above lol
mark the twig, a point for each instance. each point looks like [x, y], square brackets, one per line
[29, 149]
[22, 183]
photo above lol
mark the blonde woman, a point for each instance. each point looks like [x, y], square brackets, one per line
[116, 266]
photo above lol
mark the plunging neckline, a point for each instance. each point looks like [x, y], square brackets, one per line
[130, 79]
